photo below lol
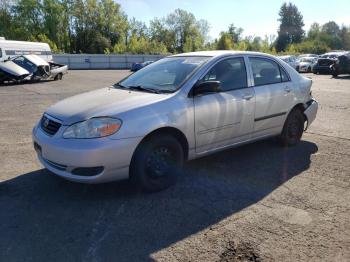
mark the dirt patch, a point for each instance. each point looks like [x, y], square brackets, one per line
[239, 252]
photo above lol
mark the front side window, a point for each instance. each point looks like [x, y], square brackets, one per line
[165, 75]
[266, 71]
[231, 73]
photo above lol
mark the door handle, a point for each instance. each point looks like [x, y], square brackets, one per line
[287, 89]
[247, 96]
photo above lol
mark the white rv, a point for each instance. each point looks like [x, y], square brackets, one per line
[9, 49]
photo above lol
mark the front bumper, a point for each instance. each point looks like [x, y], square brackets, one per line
[63, 156]
[311, 112]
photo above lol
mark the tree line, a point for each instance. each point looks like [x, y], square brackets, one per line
[101, 26]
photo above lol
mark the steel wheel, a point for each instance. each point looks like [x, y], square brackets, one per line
[157, 163]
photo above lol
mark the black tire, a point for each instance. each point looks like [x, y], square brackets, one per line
[293, 128]
[157, 163]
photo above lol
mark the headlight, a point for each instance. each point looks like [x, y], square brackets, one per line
[93, 128]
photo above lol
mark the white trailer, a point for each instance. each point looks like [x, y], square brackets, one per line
[9, 49]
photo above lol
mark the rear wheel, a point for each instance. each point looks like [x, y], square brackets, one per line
[293, 128]
[157, 163]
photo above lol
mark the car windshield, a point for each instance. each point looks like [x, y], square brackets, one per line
[165, 75]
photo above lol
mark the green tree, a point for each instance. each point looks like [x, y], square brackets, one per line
[225, 42]
[291, 26]
[235, 33]
[176, 28]
[344, 35]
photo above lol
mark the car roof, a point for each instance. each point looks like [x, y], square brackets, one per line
[218, 53]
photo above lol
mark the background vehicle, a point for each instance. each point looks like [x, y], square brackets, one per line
[305, 64]
[10, 49]
[291, 60]
[30, 67]
[322, 66]
[308, 55]
[179, 108]
[341, 65]
[11, 72]
[137, 66]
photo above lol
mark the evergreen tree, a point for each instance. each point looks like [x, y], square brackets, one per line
[291, 26]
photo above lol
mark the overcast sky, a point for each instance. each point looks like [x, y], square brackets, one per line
[256, 17]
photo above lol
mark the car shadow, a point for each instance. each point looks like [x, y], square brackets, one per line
[342, 77]
[45, 218]
[26, 82]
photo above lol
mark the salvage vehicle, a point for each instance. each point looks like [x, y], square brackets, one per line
[341, 65]
[11, 72]
[179, 108]
[32, 67]
[324, 62]
[305, 64]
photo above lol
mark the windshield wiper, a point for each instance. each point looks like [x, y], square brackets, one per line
[142, 88]
[119, 85]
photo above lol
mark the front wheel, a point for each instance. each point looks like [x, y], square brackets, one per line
[157, 163]
[293, 128]
[58, 77]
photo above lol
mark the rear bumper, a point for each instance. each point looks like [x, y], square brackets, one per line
[311, 112]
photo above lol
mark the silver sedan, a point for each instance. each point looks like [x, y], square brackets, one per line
[179, 108]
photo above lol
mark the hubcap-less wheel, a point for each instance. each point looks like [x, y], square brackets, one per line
[157, 163]
[293, 128]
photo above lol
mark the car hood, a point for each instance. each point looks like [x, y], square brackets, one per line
[101, 102]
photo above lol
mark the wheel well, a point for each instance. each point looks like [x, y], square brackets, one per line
[301, 108]
[173, 132]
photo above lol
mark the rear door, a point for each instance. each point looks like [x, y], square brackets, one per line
[273, 95]
[226, 117]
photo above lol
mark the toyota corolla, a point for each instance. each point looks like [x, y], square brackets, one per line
[179, 108]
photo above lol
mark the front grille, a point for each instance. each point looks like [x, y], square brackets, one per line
[49, 126]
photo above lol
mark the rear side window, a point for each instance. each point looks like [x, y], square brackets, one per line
[266, 72]
[230, 72]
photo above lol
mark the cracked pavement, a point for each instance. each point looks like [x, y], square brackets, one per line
[259, 202]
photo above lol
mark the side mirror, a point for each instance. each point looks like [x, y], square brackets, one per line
[206, 87]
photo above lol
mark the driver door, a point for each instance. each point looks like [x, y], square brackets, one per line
[225, 117]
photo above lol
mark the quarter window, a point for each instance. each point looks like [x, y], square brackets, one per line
[231, 73]
[266, 71]
[285, 77]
